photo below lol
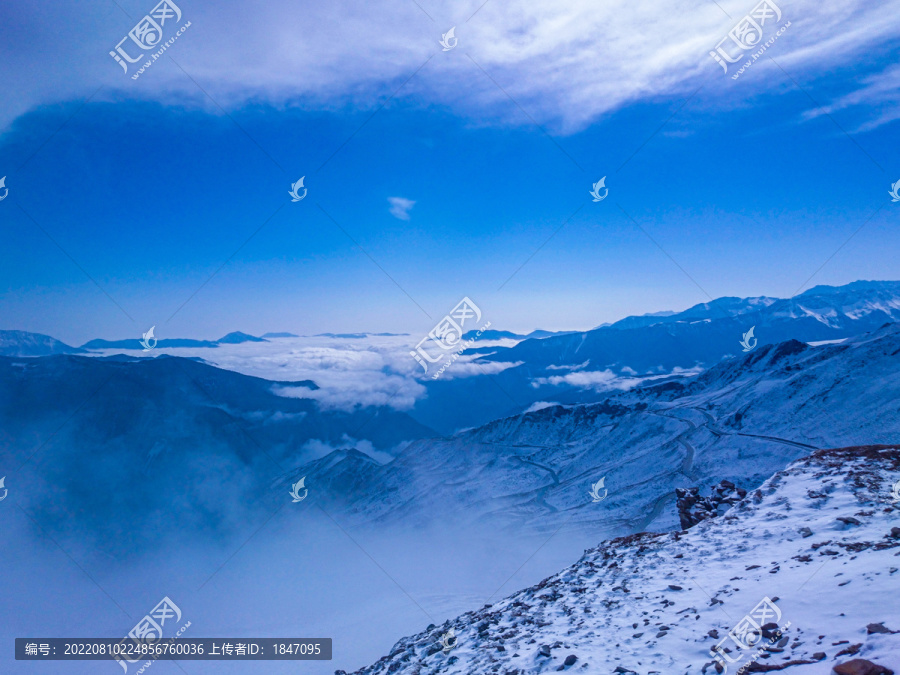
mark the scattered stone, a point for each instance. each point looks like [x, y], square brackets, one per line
[544, 651]
[805, 532]
[877, 628]
[895, 532]
[673, 587]
[861, 667]
[714, 634]
[850, 651]
[661, 633]
[849, 520]
[818, 656]
[757, 667]
[570, 660]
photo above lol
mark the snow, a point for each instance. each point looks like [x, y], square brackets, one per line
[741, 420]
[648, 602]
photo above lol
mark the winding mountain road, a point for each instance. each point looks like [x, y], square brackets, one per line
[687, 465]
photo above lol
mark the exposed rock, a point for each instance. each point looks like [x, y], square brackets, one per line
[805, 532]
[861, 667]
[570, 660]
[877, 628]
[757, 667]
[850, 651]
[692, 508]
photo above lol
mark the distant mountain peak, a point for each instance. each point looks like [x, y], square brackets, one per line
[237, 337]
[23, 343]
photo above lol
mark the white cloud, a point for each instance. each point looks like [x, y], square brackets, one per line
[566, 64]
[883, 87]
[469, 366]
[369, 371]
[400, 207]
[580, 366]
[605, 380]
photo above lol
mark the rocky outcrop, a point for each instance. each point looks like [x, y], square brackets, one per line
[861, 667]
[692, 508]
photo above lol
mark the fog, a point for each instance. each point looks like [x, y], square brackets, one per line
[298, 574]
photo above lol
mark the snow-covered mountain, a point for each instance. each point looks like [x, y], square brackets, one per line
[807, 564]
[718, 308]
[742, 420]
[575, 367]
[23, 343]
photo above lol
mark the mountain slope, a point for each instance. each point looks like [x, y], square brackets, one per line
[110, 448]
[575, 367]
[22, 343]
[741, 420]
[819, 539]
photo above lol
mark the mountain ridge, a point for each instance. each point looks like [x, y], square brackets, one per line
[752, 413]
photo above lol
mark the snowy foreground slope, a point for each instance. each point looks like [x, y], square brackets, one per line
[820, 539]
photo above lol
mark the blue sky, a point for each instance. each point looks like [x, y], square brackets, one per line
[150, 190]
